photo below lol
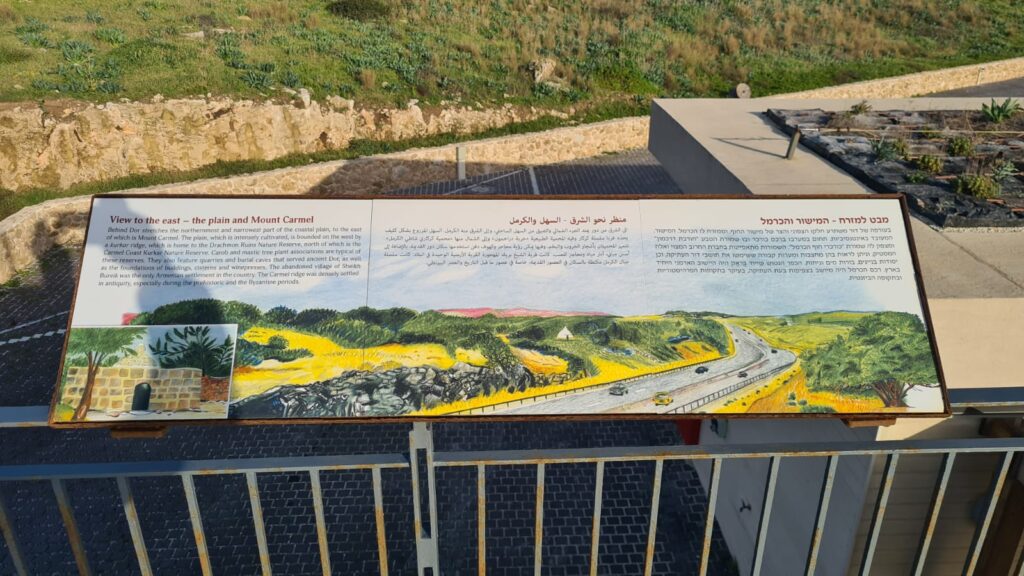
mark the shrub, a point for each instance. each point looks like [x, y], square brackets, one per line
[361, 10]
[277, 342]
[1003, 170]
[290, 79]
[929, 163]
[977, 185]
[93, 17]
[887, 149]
[998, 113]
[960, 146]
[859, 108]
[256, 79]
[916, 177]
[110, 36]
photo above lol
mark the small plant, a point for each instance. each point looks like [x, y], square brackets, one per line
[110, 36]
[361, 10]
[886, 150]
[960, 146]
[977, 185]
[290, 79]
[841, 121]
[998, 113]
[916, 177]
[256, 79]
[859, 108]
[901, 147]
[31, 33]
[1003, 170]
[929, 163]
[93, 17]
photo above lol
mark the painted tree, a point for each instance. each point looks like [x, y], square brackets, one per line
[194, 347]
[95, 348]
[887, 354]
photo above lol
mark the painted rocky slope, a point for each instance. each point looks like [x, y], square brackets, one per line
[390, 393]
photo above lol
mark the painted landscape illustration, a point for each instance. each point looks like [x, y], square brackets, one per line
[365, 361]
[116, 373]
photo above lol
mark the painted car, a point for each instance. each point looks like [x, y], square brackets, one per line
[701, 369]
[662, 399]
[618, 390]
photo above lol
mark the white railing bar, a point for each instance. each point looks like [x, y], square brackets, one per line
[481, 520]
[200, 467]
[595, 521]
[11, 540]
[378, 513]
[979, 535]
[257, 521]
[879, 513]
[131, 514]
[652, 527]
[726, 451]
[819, 524]
[197, 524]
[321, 524]
[709, 521]
[538, 524]
[74, 536]
[933, 516]
[767, 503]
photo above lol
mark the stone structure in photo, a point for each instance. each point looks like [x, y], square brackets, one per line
[172, 389]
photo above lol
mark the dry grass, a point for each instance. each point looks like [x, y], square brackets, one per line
[7, 14]
[368, 78]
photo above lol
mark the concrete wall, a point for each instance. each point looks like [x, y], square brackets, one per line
[172, 389]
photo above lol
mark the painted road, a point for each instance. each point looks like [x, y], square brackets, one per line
[752, 355]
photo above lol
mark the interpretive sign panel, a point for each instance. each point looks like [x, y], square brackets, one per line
[257, 308]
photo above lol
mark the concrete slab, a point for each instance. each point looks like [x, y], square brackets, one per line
[979, 340]
[715, 146]
[974, 279]
[1003, 249]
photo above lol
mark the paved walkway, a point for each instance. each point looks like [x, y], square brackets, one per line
[33, 311]
[1006, 89]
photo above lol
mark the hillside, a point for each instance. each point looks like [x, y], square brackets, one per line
[385, 52]
[285, 346]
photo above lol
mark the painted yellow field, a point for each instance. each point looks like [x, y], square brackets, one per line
[540, 363]
[329, 361]
[607, 372]
[473, 357]
[799, 337]
[747, 400]
[788, 393]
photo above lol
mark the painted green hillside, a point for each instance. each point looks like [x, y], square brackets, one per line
[507, 342]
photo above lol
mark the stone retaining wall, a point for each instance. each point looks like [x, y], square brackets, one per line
[172, 389]
[921, 83]
[29, 233]
[34, 230]
[56, 147]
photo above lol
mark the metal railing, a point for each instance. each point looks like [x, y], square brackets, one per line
[421, 444]
[704, 400]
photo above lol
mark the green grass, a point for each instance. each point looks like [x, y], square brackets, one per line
[11, 202]
[612, 55]
[801, 332]
[383, 52]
